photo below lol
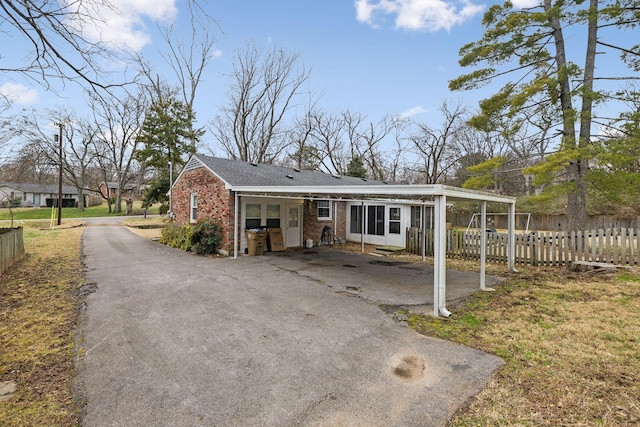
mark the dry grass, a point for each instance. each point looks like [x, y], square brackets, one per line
[37, 319]
[149, 228]
[571, 343]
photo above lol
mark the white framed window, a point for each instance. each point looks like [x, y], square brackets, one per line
[324, 210]
[273, 216]
[394, 221]
[193, 211]
[253, 217]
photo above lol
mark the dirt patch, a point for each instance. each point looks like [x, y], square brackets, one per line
[408, 367]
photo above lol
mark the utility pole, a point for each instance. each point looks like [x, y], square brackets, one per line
[59, 138]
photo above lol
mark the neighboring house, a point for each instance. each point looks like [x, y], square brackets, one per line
[109, 190]
[205, 189]
[38, 195]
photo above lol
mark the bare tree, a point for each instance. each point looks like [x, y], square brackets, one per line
[28, 165]
[77, 154]
[329, 140]
[264, 85]
[366, 140]
[59, 50]
[437, 149]
[117, 123]
[188, 57]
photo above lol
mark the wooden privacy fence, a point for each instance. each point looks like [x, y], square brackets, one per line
[621, 246]
[11, 247]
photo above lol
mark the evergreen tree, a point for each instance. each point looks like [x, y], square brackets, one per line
[167, 134]
[356, 168]
[530, 46]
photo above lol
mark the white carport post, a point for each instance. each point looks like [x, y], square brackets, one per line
[483, 244]
[511, 249]
[424, 232]
[362, 226]
[235, 225]
[439, 256]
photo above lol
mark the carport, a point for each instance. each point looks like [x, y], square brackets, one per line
[434, 195]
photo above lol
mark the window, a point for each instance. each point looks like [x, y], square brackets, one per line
[394, 220]
[253, 215]
[375, 220]
[416, 216]
[324, 210]
[193, 215]
[355, 224]
[273, 216]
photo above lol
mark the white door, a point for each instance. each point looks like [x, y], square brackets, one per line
[293, 226]
[395, 228]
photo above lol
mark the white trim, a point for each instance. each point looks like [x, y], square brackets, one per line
[406, 192]
[329, 208]
[193, 204]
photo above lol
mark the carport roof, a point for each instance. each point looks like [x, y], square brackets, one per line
[270, 180]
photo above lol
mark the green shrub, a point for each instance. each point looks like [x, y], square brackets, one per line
[205, 237]
[176, 236]
[163, 209]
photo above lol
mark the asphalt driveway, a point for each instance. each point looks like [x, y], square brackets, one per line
[173, 339]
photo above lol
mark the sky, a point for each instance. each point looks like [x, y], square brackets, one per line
[374, 57]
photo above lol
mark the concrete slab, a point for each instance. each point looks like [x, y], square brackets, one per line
[169, 338]
[380, 280]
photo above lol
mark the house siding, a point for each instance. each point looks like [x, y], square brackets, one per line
[214, 201]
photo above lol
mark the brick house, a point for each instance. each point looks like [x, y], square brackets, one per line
[243, 196]
[110, 189]
[205, 188]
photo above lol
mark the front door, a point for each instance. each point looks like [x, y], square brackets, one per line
[293, 226]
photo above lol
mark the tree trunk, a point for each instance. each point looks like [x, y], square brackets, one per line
[80, 199]
[576, 203]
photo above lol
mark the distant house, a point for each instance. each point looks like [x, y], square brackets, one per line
[110, 188]
[38, 195]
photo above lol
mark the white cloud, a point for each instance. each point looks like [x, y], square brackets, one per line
[418, 15]
[120, 23]
[413, 111]
[525, 4]
[19, 94]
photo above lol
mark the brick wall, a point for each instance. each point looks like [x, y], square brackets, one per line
[214, 201]
[312, 228]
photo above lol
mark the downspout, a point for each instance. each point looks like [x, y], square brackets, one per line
[439, 264]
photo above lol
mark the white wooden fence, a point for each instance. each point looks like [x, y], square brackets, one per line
[621, 246]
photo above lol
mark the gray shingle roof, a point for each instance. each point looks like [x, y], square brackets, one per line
[239, 173]
[40, 188]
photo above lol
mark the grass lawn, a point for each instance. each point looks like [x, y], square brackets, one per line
[90, 212]
[38, 315]
[571, 341]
